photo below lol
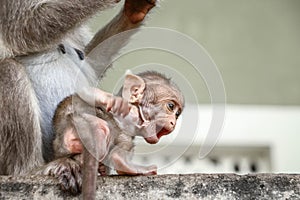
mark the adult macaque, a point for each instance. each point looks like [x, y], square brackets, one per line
[42, 43]
[156, 103]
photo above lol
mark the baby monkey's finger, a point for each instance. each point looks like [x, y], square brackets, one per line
[126, 107]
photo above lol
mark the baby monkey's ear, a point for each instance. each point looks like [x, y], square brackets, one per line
[133, 88]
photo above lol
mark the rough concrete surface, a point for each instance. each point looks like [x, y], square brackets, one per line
[188, 186]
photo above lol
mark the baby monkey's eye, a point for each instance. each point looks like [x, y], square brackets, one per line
[171, 106]
[178, 114]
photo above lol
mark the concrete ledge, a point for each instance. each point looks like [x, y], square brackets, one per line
[189, 186]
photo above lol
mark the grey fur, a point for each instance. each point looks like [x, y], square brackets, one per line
[20, 148]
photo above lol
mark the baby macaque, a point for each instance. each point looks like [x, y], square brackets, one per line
[149, 107]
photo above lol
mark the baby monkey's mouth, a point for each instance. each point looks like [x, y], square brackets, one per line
[161, 131]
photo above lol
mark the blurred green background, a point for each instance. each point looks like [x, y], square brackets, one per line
[255, 44]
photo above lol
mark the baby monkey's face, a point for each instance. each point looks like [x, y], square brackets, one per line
[151, 122]
[162, 118]
[157, 104]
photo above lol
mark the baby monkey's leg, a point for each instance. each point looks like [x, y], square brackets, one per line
[120, 157]
[70, 138]
[68, 167]
[95, 138]
[125, 167]
[93, 133]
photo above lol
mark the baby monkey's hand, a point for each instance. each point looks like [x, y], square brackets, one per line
[117, 105]
[99, 98]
